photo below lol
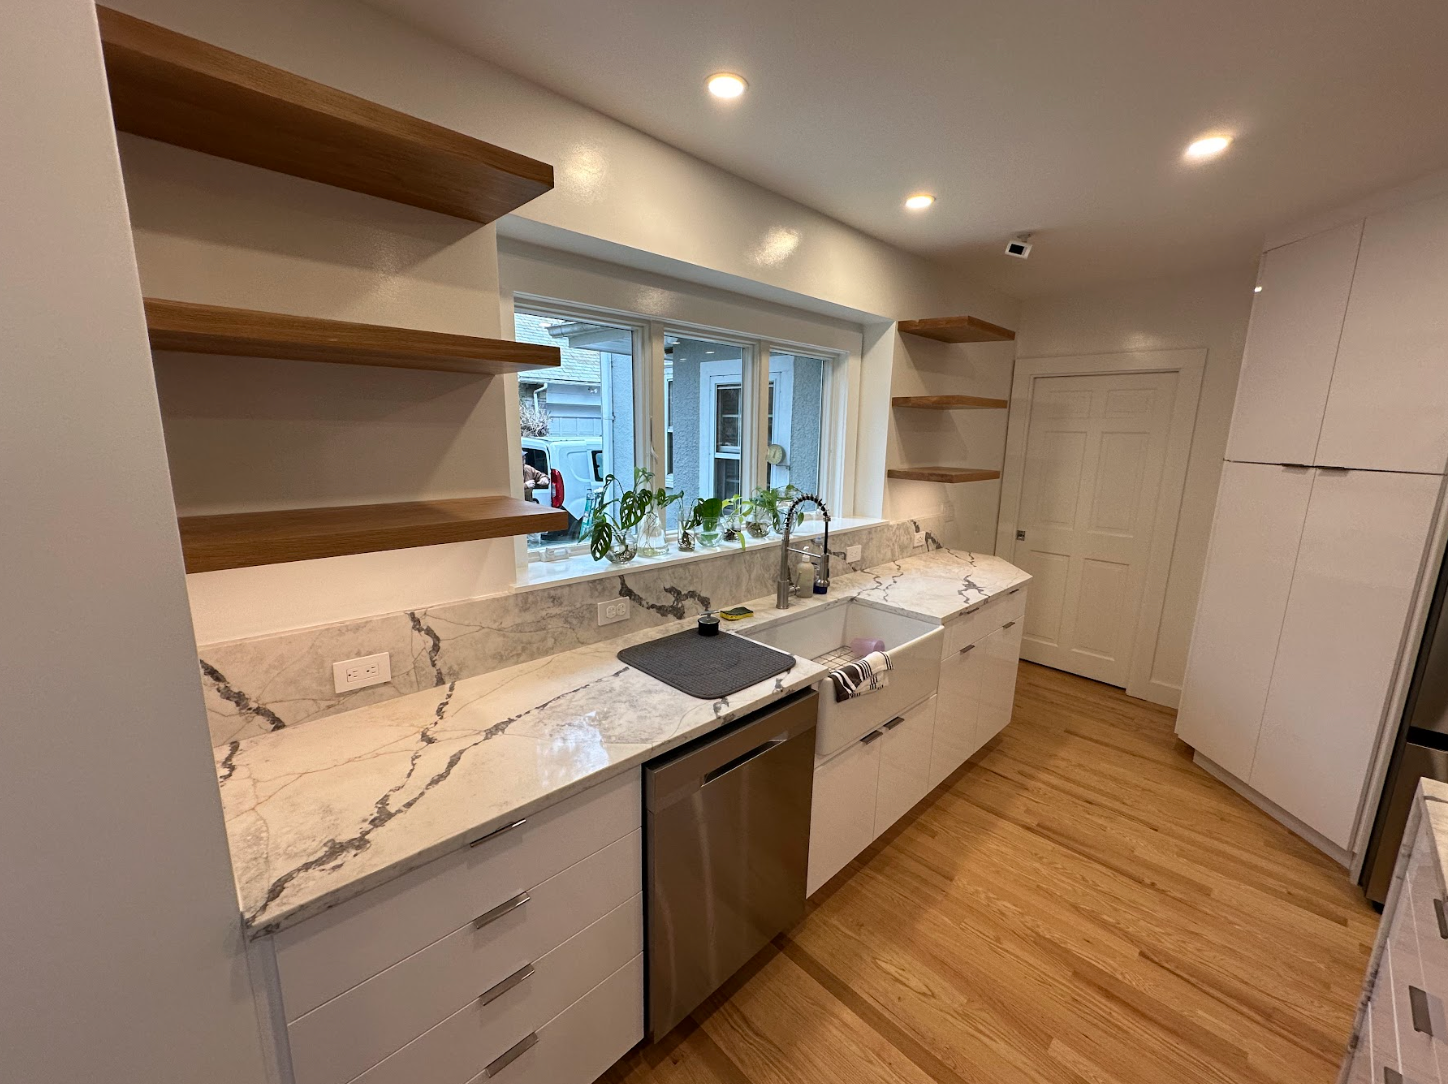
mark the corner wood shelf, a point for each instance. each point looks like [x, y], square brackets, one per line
[957, 329]
[943, 474]
[949, 402]
[176, 89]
[303, 534]
[211, 329]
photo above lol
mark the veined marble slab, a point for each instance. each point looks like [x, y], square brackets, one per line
[318, 814]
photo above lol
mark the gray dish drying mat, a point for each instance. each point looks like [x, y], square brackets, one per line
[707, 666]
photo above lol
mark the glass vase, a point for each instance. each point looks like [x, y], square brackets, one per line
[709, 534]
[625, 547]
[652, 540]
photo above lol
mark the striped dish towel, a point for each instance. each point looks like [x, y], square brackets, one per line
[862, 676]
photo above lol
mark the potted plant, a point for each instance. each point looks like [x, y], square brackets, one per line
[706, 513]
[689, 528]
[763, 512]
[736, 511]
[653, 504]
[612, 529]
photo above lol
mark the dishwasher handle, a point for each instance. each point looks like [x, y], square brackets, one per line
[743, 759]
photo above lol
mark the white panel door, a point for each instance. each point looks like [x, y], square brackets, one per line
[1291, 345]
[957, 707]
[1255, 534]
[1002, 651]
[904, 763]
[1095, 447]
[1388, 407]
[1352, 590]
[842, 817]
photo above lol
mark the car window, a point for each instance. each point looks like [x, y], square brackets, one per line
[598, 464]
[537, 458]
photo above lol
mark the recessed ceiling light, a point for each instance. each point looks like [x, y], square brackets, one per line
[726, 85]
[919, 201]
[1209, 146]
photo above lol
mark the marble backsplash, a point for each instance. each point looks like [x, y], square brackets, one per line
[269, 682]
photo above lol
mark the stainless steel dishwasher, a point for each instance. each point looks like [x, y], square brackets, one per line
[726, 837]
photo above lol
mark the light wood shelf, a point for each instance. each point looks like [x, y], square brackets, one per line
[949, 402]
[943, 474]
[211, 329]
[957, 329]
[176, 89]
[245, 539]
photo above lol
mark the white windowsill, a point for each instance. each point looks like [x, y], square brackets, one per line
[583, 567]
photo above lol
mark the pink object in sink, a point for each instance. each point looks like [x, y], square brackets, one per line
[864, 645]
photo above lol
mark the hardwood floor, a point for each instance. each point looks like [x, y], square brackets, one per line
[1078, 904]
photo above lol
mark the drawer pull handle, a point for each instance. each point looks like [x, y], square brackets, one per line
[874, 735]
[1008, 624]
[496, 832]
[490, 995]
[512, 1054]
[1439, 911]
[501, 910]
[967, 648]
[1391, 1075]
[893, 723]
[1422, 1018]
[1012, 591]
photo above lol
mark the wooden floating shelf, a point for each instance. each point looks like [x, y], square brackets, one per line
[957, 329]
[211, 329]
[949, 402]
[176, 89]
[943, 474]
[245, 539]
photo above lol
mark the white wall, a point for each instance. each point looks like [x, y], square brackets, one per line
[119, 926]
[1208, 310]
[217, 231]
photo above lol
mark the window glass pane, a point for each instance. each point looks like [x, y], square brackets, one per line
[704, 381]
[577, 419]
[796, 420]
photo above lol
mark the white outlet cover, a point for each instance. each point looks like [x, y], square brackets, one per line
[919, 538]
[359, 673]
[854, 553]
[613, 611]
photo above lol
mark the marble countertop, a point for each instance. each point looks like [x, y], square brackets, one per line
[319, 813]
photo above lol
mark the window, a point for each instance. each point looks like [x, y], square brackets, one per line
[577, 420]
[738, 413]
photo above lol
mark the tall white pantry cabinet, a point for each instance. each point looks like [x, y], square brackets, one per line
[1328, 501]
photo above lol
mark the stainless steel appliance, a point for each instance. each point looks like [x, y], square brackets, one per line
[1421, 750]
[726, 843]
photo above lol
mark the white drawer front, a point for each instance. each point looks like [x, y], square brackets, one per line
[462, 1046]
[1383, 1031]
[356, 1030]
[326, 955]
[971, 628]
[581, 1044]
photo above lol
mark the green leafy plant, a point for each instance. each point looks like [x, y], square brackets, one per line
[617, 513]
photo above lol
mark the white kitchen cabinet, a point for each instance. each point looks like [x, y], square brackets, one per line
[842, 818]
[904, 763]
[1292, 341]
[1253, 548]
[1002, 655]
[1353, 587]
[1388, 407]
[961, 683]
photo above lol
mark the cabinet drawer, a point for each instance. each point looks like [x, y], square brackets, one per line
[1382, 1029]
[904, 764]
[842, 813]
[326, 955]
[606, 959]
[336, 1041]
[970, 628]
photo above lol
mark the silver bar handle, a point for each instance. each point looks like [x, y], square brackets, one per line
[874, 735]
[1391, 1075]
[967, 648]
[1422, 1016]
[496, 832]
[1442, 916]
[492, 993]
[893, 723]
[1008, 624]
[1012, 591]
[502, 909]
[512, 1054]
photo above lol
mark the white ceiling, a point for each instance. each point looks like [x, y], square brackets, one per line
[1063, 117]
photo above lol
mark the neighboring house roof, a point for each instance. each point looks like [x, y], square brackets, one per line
[579, 366]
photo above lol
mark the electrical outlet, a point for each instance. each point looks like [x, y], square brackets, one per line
[352, 674]
[919, 538]
[613, 611]
[853, 554]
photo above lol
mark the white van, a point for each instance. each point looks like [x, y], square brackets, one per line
[574, 466]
